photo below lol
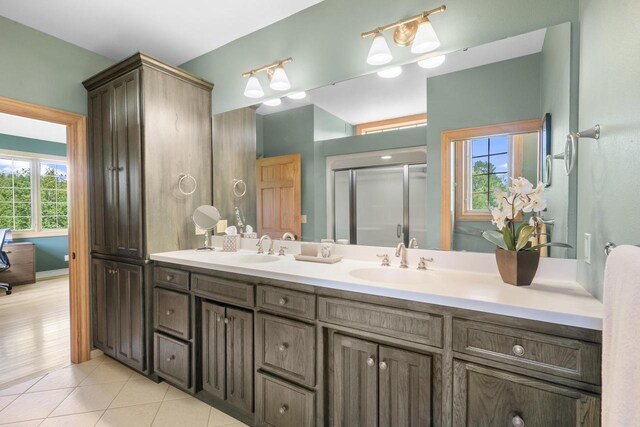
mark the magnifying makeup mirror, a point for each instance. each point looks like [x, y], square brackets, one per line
[206, 218]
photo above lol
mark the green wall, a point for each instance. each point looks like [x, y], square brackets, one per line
[608, 180]
[502, 92]
[50, 251]
[328, 126]
[44, 70]
[324, 40]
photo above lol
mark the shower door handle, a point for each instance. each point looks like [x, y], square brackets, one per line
[399, 230]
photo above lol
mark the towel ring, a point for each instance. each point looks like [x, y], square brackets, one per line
[237, 183]
[185, 176]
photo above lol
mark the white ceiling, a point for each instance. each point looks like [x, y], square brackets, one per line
[30, 128]
[371, 98]
[174, 31]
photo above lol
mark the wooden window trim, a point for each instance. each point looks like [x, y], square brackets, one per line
[416, 119]
[446, 165]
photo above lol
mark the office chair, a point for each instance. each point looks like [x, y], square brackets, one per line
[4, 260]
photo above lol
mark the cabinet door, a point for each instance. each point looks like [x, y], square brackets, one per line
[355, 382]
[214, 349]
[489, 397]
[104, 299]
[240, 358]
[127, 207]
[102, 170]
[405, 388]
[130, 315]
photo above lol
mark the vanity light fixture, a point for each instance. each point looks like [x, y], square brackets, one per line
[416, 31]
[278, 79]
[390, 73]
[297, 95]
[386, 157]
[432, 62]
[273, 102]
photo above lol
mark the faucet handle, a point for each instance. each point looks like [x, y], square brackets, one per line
[281, 250]
[422, 265]
[385, 259]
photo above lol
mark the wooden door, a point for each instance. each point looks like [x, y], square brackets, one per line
[404, 389]
[240, 358]
[278, 187]
[102, 170]
[127, 208]
[214, 349]
[355, 382]
[104, 300]
[130, 315]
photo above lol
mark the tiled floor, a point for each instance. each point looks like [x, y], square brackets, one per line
[104, 393]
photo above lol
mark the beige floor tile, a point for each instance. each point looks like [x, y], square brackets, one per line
[175, 394]
[137, 377]
[19, 388]
[131, 416]
[88, 398]
[88, 419]
[31, 406]
[218, 419]
[183, 412]
[140, 392]
[31, 423]
[108, 372]
[70, 376]
[5, 400]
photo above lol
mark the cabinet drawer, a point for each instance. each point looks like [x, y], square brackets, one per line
[409, 325]
[172, 312]
[281, 404]
[224, 290]
[287, 348]
[285, 301]
[565, 357]
[489, 397]
[172, 360]
[171, 277]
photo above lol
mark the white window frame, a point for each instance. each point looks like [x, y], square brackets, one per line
[36, 225]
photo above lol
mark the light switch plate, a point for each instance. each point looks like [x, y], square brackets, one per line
[303, 219]
[587, 248]
[66, 257]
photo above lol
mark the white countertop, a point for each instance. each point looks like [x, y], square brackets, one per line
[554, 301]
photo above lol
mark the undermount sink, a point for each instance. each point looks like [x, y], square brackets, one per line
[255, 258]
[391, 275]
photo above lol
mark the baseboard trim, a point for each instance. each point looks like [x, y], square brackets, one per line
[52, 273]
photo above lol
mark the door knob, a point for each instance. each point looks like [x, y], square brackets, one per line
[517, 421]
[383, 365]
[226, 321]
[371, 361]
[283, 409]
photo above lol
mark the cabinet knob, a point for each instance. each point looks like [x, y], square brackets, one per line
[283, 346]
[218, 318]
[517, 421]
[226, 321]
[371, 361]
[169, 312]
[518, 350]
[283, 409]
[171, 358]
[169, 277]
[383, 365]
[282, 301]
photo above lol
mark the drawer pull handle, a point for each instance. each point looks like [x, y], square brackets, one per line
[371, 361]
[169, 312]
[383, 366]
[169, 277]
[283, 409]
[518, 350]
[282, 301]
[171, 358]
[517, 421]
[283, 346]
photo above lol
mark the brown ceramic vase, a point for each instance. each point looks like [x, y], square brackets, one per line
[517, 268]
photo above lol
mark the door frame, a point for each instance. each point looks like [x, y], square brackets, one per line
[79, 306]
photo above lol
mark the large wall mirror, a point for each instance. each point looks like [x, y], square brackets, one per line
[409, 152]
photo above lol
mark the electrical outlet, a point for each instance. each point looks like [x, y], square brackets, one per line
[303, 219]
[66, 258]
[587, 248]
[199, 231]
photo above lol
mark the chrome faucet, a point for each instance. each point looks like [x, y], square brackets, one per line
[259, 244]
[401, 252]
[288, 236]
[413, 244]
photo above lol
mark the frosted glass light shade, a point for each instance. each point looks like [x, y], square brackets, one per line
[379, 54]
[279, 80]
[253, 89]
[273, 102]
[297, 95]
[390, 73]
[426, 39]
[432, 62]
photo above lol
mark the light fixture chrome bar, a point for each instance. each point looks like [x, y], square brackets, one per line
[267, 67]
[418, 17]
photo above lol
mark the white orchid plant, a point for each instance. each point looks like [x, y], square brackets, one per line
[521, 197]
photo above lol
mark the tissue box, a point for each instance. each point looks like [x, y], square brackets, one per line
[250, 235]
[231, 243]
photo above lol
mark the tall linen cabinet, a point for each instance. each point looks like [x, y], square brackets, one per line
[150, 163]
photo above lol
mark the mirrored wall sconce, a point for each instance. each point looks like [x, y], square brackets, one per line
[416, 31]
[278, 79]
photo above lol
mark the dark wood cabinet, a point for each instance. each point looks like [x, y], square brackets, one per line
[104, 300]
[227, 354]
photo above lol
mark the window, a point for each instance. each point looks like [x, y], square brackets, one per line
[417, 120]
[484, 165]
[33, 194]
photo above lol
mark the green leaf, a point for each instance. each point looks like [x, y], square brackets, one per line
[555, 244]
[508, 238]
[496, 238]
[524, 233]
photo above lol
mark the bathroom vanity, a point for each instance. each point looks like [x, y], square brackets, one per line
[275, 342]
